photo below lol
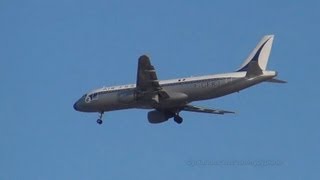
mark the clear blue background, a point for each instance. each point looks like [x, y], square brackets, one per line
[52, 52]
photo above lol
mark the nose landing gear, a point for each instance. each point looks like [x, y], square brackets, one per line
[99, 121]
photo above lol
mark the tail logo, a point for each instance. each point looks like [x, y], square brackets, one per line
[255, 57]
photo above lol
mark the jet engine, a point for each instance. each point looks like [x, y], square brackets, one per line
[155, 117]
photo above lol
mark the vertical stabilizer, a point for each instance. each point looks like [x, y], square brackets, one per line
[260, 54]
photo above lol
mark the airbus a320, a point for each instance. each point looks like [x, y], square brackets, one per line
[167, 98]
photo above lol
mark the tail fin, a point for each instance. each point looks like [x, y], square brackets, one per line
[260, 54]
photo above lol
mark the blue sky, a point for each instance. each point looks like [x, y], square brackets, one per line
[52, 52]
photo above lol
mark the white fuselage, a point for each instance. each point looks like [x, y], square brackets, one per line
[181, 92]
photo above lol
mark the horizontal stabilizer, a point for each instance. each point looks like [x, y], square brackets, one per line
[204, 110]
[276, 81]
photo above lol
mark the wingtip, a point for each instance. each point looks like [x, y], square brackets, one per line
[144, 56]
[144, 59]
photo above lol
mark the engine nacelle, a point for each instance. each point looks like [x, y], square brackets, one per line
[155, 117]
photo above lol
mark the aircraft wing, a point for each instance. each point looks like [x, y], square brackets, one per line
[146, 77]
[192, 108]
[148, 86]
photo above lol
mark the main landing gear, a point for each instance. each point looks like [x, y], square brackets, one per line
[99, 121]
[178, 119]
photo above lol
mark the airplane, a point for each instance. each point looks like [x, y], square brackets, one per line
[167, 98]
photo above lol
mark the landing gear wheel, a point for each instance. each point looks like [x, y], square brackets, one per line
[178, 119]
[99, 121]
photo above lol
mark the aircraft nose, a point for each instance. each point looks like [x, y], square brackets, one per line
[76, 106]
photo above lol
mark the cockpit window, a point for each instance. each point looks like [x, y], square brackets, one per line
[94, 96]
[90, 97]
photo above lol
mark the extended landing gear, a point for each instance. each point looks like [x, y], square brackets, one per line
[99, 121]
[178, 119]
